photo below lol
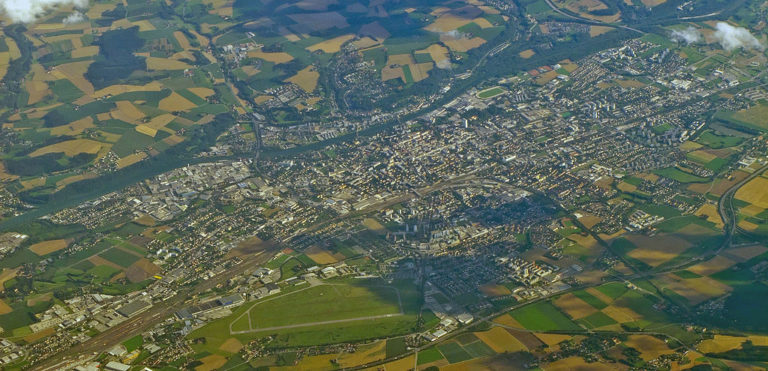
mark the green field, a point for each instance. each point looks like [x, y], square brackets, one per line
[543, 316]
[679, 175]
[490, 93]
[454, 352]
[714, 141]
[325, 303]
[119, 257]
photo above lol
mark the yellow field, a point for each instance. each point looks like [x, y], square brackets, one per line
[525, 54]
[420, 71]
[507, 320]
[500, 340]
[652, 3]
[173, 140]
[650, 347]
[37, 91]
[658, 249]
[754, 192]
[74, 179]
[621, 314]
[599, 30]
[574, 307]
[47, 247]
[710, 211]
[130, 159]
[5, 308]
[163, 64]
[75, 72]
[439, 54]
[587, 241]
[71, 147]
[320, 255]
[232, 345]
[183, 42]
[278, 57]
[747, 225]
[331, 46]
[13, 49]
[120, 89]
[751, 210]
[552, 339]
[175, 102]
[712, 266]
[306, 79]
[33, 183]
[626, 187]
[146, 130]
[462, 45]
[364, 355]
[721, 343]
[127, 112]
[695, 290]
[32, 338]
[202, 92]
[5, 275]
[399, 365]
[212, 362]
[159, 122]
[401, 59]
[374, 225]
[576, 364]
[5, 176]
[87, 51]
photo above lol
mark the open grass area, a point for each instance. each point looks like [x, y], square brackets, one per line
[543, 316]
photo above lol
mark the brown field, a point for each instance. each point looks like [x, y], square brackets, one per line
[141, 270]
[450, 22]
[33, 183]
[364, 355]
[5, 308]
[525, 54]
[690, 146]
[320, 256]
[71, 147]
[721, 343]
[751, 210]
[712, 266]
[389, 73]
[652, 3]
[47, 247]
[34, 337]
[40, 299]
[626, 187]
[500, 340]
[748, 226]
[507, 320]
[754, 192]
[596, 293]
[13, 49]
[5, 176]
[145, 220]
[400, 59]
[37, 91]
[573, 306]
[279, 57]
[462, 45]
[710, 211]
[374, 225]
[202, 92]
[176, 102]
[586, 241]
[743, 254]
[650, 347]
[159, 122]
[629, 83]
[163, 64]
[212, 362]
[232, 345]
[577, 364]
[73, 128]
[173, 140]
[365, 43]
[491, 290]
[306, 79]
[695, 290]
[332, 45]
[658, 249]
[130, 159]
[144, 25]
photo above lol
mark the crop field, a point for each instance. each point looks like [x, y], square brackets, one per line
[753, 118]
[650, 347]
[742, 254]
[573, 306]
[500, 340]
[306, 79]
[332, 45]
[576, 363]
[71, 148]
[47, 247]
[542, 316]
[694, 290]
[679, 175]
[712, 266]
[320, 255]
[363, 355]
[658, 249]
[755, 192]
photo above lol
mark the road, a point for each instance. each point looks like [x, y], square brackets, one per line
[727, 212]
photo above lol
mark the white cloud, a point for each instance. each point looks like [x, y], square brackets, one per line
[75, 17]
[731, 38]
[29, 10]
[689, 35]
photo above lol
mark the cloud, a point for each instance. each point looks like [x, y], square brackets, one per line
[731, 38]
[689, 35]
[27, 11]
[75, 17]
